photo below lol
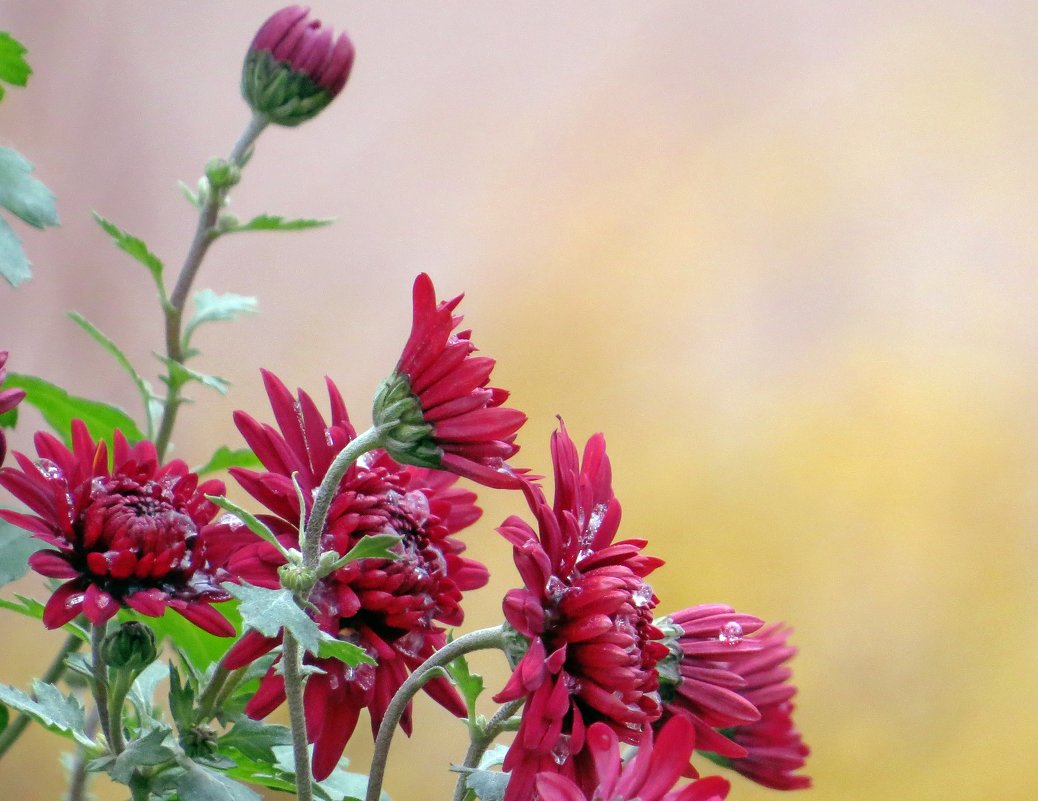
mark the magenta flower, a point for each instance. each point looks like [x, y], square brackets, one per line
[775, 749]
[436, 409]
[390, 608]
[9, 398]
[587, 614]
[127, 536]
[649, 776]
[295, 67]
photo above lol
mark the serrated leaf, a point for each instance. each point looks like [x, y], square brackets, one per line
[469, 684]
[375, 546]
[493, 756]
[198, 783]
[60, 714]
[14, 264]
[347, 652]
[268, 611]
[142, 692]
[272, 222]
[182, 374]
[181, 700]
[59, 409]
[211, 307]
[137, 249]
[14, 69]
[255, 740]
[21, 194]
[254, 524]
[34, 609]
[147, 752]
[143, 387]
[15, 547]
[488, 785]
[224, 458]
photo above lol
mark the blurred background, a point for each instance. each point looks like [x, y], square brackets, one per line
[783, 255]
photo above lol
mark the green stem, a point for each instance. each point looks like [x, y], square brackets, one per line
[367, 441]
[205, 235]
[207, 700]
[97, 638]
[120, 689]
[474, 641]
[54, 672]
[481, 740]
[291, 658]
[77, 783]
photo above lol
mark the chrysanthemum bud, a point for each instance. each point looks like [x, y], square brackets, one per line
[130, 647]
[294, 67]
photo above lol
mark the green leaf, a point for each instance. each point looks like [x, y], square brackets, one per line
[23, 195]
[255, 740]
[16, 546]
[268, 611]
[5, 718]
[142, 692]
[375, 546]
[469, 684]
[14, 69]
[199, 647]
[352, 655]
[138, 250]
[59, 409]
[143, 387]
[211, 307]
[224, 458]
[254, 525]
[181, 700]
[9, 419]
[34, 609]
[488, 785]
[191, 195]
[147, 752]
[182, 374]
[198, 783]
[14, 264]
[270, 222]
[50, 708]
[493, 756]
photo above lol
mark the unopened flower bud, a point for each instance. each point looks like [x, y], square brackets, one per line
[295, 67]
[221, 173]
[130, 647]
[405, 435]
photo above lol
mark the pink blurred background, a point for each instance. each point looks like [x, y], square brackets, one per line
[782, 254]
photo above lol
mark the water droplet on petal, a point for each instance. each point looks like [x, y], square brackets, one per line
[572, 683]
[416, 504]
[366, 460]
[74, 600]
[731, 633]
[231, 521]
[560, 751]
[642, 596]
[328, 437]
[597, 516]
[555, 588]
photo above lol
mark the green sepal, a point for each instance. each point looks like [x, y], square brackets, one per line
[284, 96]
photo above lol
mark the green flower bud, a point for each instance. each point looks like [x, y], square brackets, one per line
[405, 435]
[130, 647]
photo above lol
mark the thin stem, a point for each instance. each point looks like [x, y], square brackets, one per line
[54, 672]
[367, 441]
[474, 641]
[294, 692]
[228, 688]
[205, 234]
[481, 741]
[120, 688]
[77, 782]
[207, 700]
[97, 638]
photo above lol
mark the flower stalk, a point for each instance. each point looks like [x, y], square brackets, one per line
[480, 739]
[292, 658]
[100, 689]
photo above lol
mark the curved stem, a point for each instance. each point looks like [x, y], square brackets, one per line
[479, 744]
[294, 693]
[367, 441]
[53, 673]
[97, 638]
[205, 234]
[474, 641]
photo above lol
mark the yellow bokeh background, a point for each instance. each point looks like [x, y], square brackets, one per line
[783, 255]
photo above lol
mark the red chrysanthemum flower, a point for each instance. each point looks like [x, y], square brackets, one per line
[9, 398]
[697, 678]
[649, 776]
[587, 613]
[775, 749]
[125, 536]
[436, 409]
[389, 608]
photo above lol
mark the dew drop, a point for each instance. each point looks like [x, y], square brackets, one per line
[416, 504]
[555, 588]
[231, 521]
[366, 460]
[572, 683]
[560, 751]
[597, 516]
[642, 596]
[49, 469]
[731, 633]
[103, 601]
[74, 600]
[328, 437]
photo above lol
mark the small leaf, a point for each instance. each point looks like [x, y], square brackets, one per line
[9, 419]
[14, 69]
[268, 611]
[14, 264]
[23, 195]
[147, 752]
[50, 708]
[211, 307]
[59, 409]
[142, 692]
[34, 609]
[202, 784]
[253, 523]
[255, 740]
[488, 785]
[16, 546]
[181, 700]
[224, 458]
[137, 249]
[469, 684]
[270, 222]
[182, 374]
[190, 194]
[143, 387]
[375, 546]
[352, 655]
[493, 756]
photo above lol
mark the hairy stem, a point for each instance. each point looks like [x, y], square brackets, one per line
[474, 641]
[77, 783]
[367, 441]
[53, 673]
[97, 638]
[291, 658]
[205, 233]
[481, 740]
[117, 697]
